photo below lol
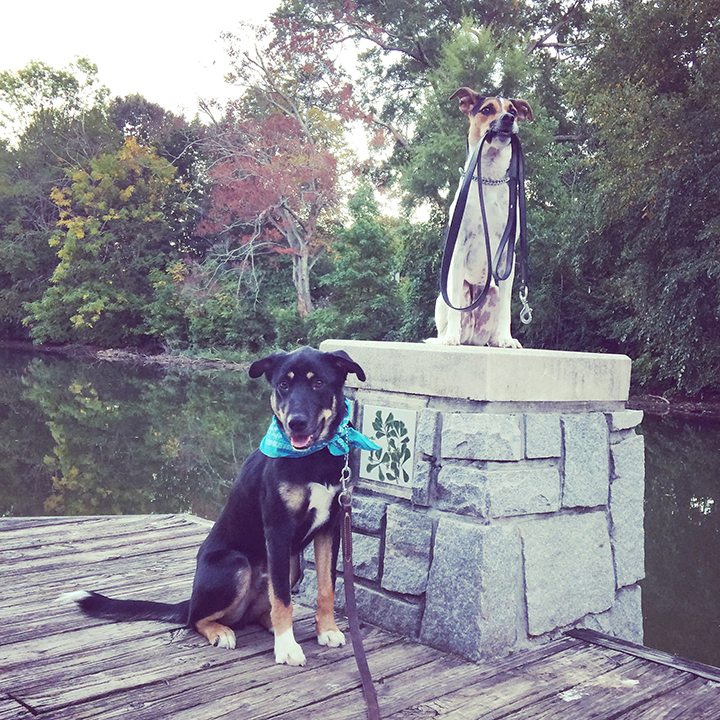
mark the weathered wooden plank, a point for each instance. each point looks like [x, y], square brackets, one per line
[41, 615]
[66, 666]
[12, 710]
[78, 645]
[84, 564]
[61, 554]
[103, 644]
[396, 692]
[301, 694]
[99, 565]
[655, 656]
[607, 696]
[112, 576]
[518, 682]
[57, 618]
[697, 700]
[90, 645]
[31, 530]
[408, 695]
[46, 607]
[38, 522]
[27, 549]
[142, 662]
[136, 574]
[56, 554]
[239, 675]
[147, 577]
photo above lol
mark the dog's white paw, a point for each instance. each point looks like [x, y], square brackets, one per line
[287, 651]
[451, 339]
[509, 342]
[224, 639]
[331, 638]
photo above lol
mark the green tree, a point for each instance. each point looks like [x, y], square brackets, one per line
[649, 264]
[419, 257]
[39, 90]
[119, 221]
[181, 143]
[202, 305]
[362, 296]
[399, 43]
[51, 119]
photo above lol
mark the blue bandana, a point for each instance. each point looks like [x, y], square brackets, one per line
[276, 443]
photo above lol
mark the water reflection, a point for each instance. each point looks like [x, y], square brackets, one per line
[681, 595]
[78, 439]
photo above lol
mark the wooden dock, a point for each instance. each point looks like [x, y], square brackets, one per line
[57, 664]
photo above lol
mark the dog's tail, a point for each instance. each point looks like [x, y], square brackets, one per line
[99, 606]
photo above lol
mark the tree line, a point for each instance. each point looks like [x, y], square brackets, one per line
[255, 225]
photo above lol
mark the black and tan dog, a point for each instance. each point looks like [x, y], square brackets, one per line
[282, 500]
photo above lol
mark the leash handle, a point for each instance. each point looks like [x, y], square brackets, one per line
[373, 709]
[516, 189]
[453, 228]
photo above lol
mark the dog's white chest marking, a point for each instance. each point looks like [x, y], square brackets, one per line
[471, 239]
[321, 497]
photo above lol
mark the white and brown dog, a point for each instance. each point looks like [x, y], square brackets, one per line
[489, 324]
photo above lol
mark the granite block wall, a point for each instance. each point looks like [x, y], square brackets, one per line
[513, 527]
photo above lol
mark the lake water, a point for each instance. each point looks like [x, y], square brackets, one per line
[681, 593]
[104, 438]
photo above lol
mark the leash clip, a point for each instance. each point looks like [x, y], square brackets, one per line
[345, 495]
[526, 311]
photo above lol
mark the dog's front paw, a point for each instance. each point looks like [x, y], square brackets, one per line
[451, 339]
[331, 638]
[287, 651]
[509, 342]
[221, 637]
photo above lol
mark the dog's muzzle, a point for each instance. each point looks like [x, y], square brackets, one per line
[302, 431]
[503, 128]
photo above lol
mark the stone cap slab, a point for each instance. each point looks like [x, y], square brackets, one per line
[488, 374]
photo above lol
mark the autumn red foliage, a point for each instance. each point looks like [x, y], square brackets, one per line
[276, 166]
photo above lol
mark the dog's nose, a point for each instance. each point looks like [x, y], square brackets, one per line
[506, 121]
[297, 423]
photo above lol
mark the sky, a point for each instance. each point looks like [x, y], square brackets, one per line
[171, 53]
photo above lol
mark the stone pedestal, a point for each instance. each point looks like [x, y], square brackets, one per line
[507, 503]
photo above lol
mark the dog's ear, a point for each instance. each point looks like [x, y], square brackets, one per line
[523, 109]
[468, 98]
[345, 363]
[266, 365]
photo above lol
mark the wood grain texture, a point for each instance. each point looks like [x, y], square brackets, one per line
[57, 664]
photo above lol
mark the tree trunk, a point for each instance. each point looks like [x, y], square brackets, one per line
[295, 235]
[301, 278]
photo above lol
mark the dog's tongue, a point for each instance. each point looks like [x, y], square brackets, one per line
[301, 442]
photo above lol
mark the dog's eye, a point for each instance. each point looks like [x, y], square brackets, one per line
[284, 385]
[488, 110]
[317, 383]
[512, 111]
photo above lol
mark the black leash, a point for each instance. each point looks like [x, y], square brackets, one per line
[373, 710]
[516, 215]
